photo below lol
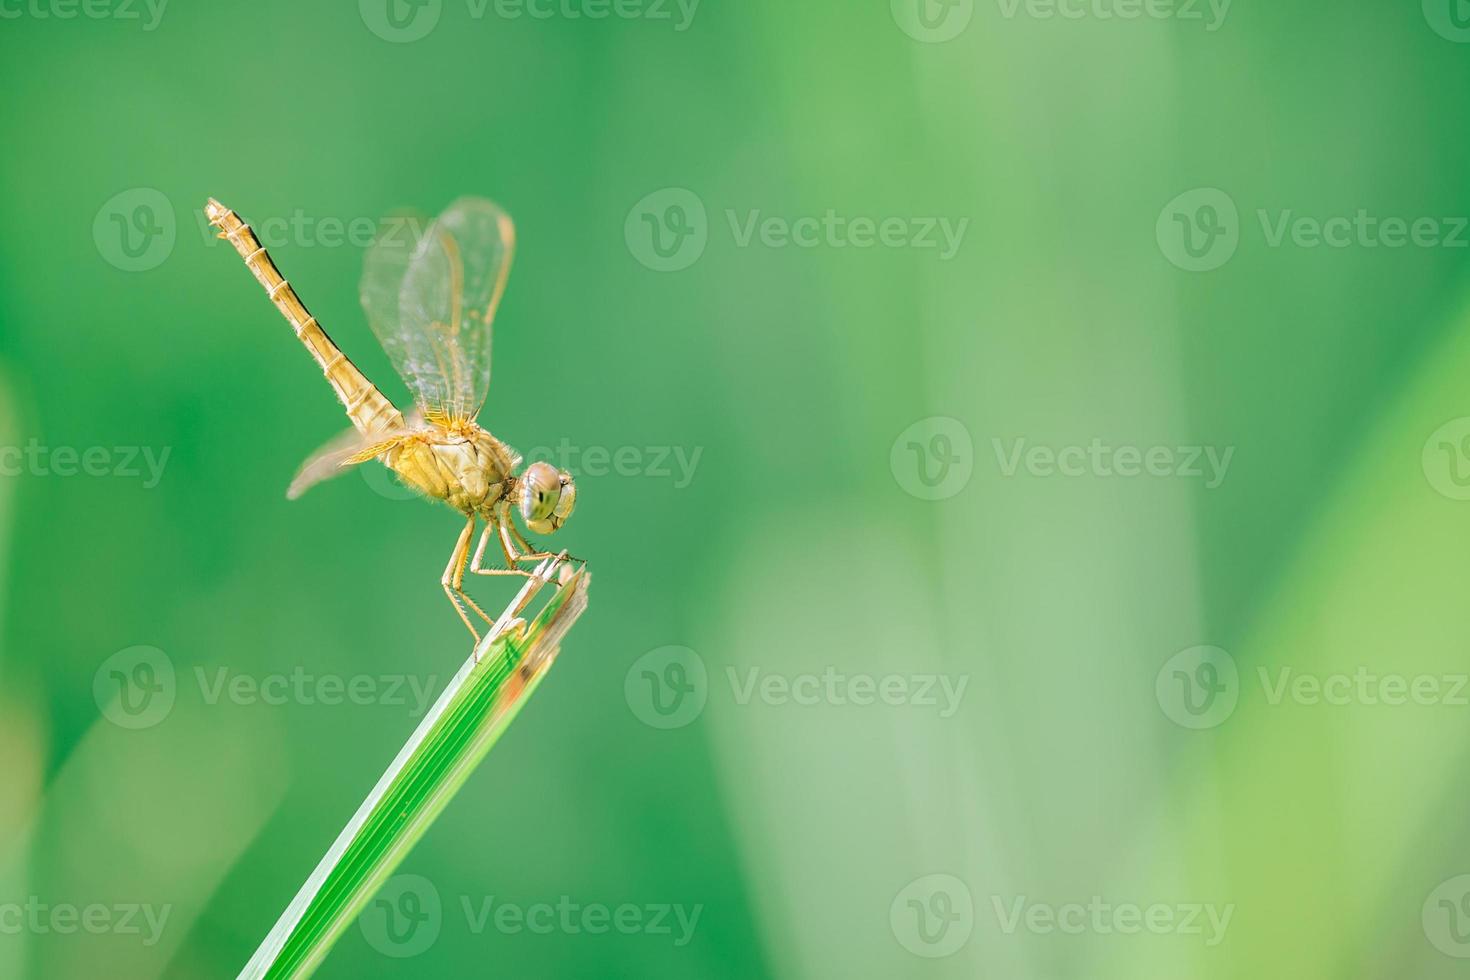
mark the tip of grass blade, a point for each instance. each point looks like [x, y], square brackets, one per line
[475, 708]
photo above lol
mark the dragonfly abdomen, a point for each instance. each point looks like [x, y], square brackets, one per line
[369, 409]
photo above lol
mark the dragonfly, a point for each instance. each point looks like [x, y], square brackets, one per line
[430, 291]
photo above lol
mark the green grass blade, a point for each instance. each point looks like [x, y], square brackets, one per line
[481, 700]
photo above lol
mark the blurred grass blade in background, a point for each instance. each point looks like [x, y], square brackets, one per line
[476, 707]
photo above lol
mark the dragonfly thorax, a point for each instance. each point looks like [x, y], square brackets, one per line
[464, 466]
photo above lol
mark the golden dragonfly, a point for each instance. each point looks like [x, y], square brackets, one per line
[430, 292]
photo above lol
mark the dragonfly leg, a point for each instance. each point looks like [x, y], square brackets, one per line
[459, 576]
[453, 579]
[530, 553]
[507, 530]
[511, 558]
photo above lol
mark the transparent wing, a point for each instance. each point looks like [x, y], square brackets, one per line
[326, 462]
[383, 269]
[430, 293]
[339, 455]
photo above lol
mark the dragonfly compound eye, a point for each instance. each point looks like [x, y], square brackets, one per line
[540, 494]
[567, 501]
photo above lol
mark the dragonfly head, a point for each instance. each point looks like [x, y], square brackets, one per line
[547, 496]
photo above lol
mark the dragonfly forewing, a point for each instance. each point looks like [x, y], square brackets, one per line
[430, 294]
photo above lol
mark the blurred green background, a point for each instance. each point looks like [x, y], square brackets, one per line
[1198, 722]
